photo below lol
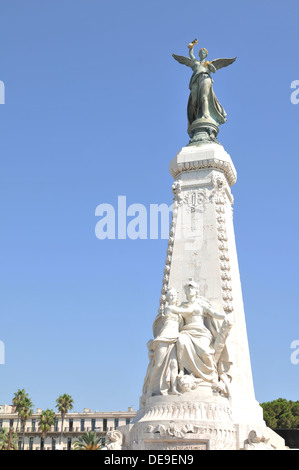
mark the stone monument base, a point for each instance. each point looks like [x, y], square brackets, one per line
[196, 420]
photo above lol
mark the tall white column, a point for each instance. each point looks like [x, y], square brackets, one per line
[202, 247]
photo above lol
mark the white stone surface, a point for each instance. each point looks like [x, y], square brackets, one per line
[202, 248]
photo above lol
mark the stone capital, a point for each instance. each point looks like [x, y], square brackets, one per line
[202, 157]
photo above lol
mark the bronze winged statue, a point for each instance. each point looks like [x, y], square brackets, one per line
[203, 103]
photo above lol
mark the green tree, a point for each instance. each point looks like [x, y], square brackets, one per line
[281, 414]
[23, 406]
[64, 404]
[4, 439]
[18, 397]
[25, 411]
[46, 420]
[88, 441]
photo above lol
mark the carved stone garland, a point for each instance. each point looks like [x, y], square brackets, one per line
[220, 196]
[176, 189]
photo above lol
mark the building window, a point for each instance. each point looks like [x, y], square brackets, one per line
[128, 420]
[42, 443]
[11, 423]
[104, 424]
[116, 422]
[1, 423]
[56, 425]
[20, 444]
[33, 424]
[69, 443]
[93, 424]
[82, 425]
[53, 443]
[71, 424]
[30, 443]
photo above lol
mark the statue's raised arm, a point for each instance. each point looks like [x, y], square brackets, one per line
[188, 61]
[204, 111]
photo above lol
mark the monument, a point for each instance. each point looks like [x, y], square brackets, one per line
[198, 390]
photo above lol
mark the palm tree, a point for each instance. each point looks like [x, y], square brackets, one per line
[64, 404]
[4, 439]
[46, 420]
[17, 400]
[88, 441]
[25, 411]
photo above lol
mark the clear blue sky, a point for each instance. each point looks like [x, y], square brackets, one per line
[96, 108]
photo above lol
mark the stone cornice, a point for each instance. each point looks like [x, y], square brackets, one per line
[202, 158]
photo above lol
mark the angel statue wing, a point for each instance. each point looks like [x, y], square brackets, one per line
[219, 63]
[184, 60]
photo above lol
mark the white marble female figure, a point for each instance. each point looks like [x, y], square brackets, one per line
[195, 352]
[182, 352]
[162, 373]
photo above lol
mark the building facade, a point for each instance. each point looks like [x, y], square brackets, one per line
[75, 425]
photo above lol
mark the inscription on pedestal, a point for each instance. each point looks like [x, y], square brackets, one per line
[177, 445]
